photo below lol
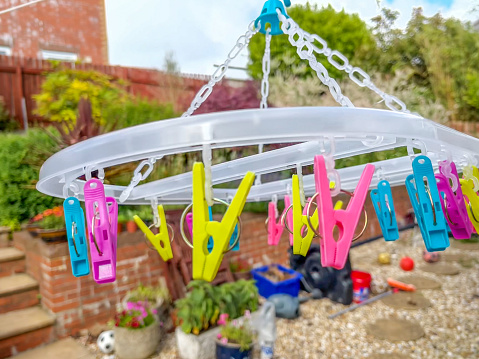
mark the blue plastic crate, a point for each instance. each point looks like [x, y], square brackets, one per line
[267, 288]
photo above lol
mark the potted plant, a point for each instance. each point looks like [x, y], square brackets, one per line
[51, 225]
[235, 340]
[122, 219]
[131, 226]
[136, 332]
[158, 298]
[197, 314]
[240, 269]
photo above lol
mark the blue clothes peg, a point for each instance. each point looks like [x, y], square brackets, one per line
[382, 198]
[269, 16]
[426, 203]
[232, 240]
[76, 234]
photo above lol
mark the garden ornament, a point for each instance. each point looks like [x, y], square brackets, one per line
[286, 306]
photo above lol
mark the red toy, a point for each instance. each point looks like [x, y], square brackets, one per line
[406, 264]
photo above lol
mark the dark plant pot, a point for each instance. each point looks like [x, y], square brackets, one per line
[131, 227]
[32, 229]
[52, 235]
[232, 351]
[246, 275]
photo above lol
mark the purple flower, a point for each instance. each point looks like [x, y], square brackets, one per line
[235, 323]
[224, 340]
[223, 319]
[154, 311]
[247, 313]
[219, 336]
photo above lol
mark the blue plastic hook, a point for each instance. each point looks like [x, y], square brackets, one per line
[384, 206]
[426, 203]
[269, 16]
[76, 234]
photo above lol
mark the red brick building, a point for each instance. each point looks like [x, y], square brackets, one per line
[55, 29]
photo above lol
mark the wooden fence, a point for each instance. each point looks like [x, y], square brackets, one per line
[20, 78]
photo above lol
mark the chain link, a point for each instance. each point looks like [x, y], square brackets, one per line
[266, 70]
[300, 39]
[138, 176]
[220, 72]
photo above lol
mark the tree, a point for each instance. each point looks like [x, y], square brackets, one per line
[441, 55]
[344, 32]
[170, 65]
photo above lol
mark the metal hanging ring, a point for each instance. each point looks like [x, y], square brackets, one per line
[351, 195]
[432, 204]
[93, 233]
[390, 212]
[285, 223]
[74, 229]
[447, 213]
[148, 243]
[182, 225]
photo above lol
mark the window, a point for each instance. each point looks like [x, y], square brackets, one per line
[5, 50]
[59, 55]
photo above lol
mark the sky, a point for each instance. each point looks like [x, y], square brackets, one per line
[201, 33]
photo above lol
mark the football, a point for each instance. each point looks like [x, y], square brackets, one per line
[106, 342]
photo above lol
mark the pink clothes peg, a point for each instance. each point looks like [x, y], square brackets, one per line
[102, 220]
[453, 204]
[275, 229]
[335, 253]
[289, 217]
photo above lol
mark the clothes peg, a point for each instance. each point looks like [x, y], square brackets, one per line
[206, 265]
[472, 202]
[453, 204]
[335, 253]
[275, 229]
[382, 198]
[76, 235]
[189, 223]
[426, 205]
[289, 217]
[160, 241]
[301, 242]
[102, 221]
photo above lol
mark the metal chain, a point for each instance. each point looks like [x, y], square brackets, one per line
[298, 38]
[266, 70]
[356, 74]
[138, 176]
[218, 75]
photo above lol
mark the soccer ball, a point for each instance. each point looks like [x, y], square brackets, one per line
[430, 257]
[106, 342]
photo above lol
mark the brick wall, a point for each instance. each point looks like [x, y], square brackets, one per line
[80, 302]
[77, 26]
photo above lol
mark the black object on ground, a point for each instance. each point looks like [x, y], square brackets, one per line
[332, 283]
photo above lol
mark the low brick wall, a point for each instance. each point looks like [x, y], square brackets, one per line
[80, 302]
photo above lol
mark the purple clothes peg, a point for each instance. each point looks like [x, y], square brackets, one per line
[335, 253]
[453, 205]
[275, 229]
[102, 219]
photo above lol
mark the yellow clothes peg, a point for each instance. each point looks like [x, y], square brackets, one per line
[160, 241]
[301, 244]
[472, 206]
[206, 265]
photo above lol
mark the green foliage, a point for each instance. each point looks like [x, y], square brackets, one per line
[52, 222]
[63, 88]
[6, 122]
[344, 32]
[137, 111]
[20, 156]
[203, 304]
[238, 333]
[148, 293]
[441, 55]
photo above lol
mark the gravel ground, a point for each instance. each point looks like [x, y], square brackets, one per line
[451, 324]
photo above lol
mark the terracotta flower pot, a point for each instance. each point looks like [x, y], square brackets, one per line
[131, 227]
[120, 227]
[136, 343]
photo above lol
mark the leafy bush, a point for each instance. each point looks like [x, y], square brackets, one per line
[20, 155]
[149, 294]
[203, 304]
[6, 122]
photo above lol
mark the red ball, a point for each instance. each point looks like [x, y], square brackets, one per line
[406, 264]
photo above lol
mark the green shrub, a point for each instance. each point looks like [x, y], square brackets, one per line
[20, 156]
[6, 122]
